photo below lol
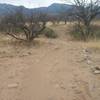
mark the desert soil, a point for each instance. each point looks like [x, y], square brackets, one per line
[52, 69]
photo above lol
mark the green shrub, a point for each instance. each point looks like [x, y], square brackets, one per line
[49, 33]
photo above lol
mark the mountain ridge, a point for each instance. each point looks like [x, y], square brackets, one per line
[52, 9]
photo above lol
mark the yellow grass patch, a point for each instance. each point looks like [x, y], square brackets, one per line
[95, 45]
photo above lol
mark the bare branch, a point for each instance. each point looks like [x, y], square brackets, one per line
[14, 36]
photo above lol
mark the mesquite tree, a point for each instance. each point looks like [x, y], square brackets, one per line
[31, 26]
[85, 12]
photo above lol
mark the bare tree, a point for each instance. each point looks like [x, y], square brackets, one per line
[31, 27]
[36, 24]
[85, 13]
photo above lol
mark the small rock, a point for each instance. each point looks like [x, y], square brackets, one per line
[62, 86]
[56, 48]
[88, 62]
[29, 53]
[96, 72]
[86, 51]
[13, 85]
[97, 68]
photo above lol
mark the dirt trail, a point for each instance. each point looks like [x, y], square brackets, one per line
[52, 71]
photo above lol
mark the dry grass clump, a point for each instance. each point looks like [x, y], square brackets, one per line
[93, 45]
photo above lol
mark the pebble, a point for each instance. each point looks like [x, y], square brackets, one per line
[62, 86]
[88, 62]
[29, 53]
[56, 48]
[97, 72]
[13, 85]
[97, 68]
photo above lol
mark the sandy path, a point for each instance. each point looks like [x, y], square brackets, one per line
[49, 73]
[52, 71]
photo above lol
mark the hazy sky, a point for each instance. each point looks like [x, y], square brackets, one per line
[31, 3]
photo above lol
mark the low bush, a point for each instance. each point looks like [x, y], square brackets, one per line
[49, 33]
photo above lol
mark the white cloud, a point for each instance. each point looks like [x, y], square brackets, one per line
[30, 3]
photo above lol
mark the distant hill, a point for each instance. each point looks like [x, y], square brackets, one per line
[52, 9]
[55, 8]
[7, 9]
